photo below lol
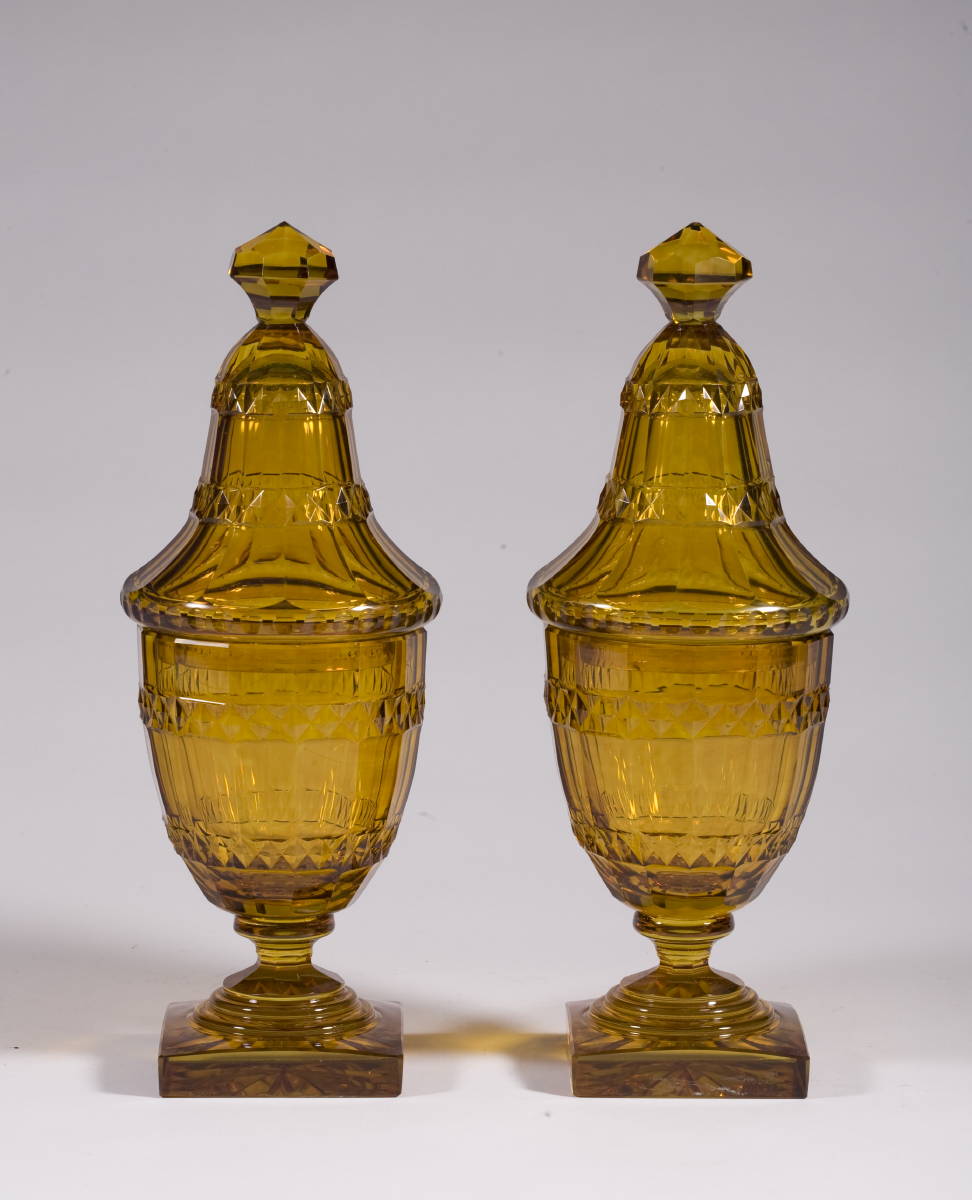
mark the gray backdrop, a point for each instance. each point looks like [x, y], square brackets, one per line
[487, 175]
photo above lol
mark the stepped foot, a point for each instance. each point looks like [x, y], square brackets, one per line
[768, 1064]
[366, 1063]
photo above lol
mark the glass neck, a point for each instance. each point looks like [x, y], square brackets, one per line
[692, 447]
[281, 448]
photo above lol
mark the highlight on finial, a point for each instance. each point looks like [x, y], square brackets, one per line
[283, 271]
[693, 272]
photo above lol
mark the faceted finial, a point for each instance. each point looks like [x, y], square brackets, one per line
[283, 271]
[693, 272]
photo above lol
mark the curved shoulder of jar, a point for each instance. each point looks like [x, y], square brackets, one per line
[347, 580]
[756, 582]
[281, 354]
[424, 591]
[692, 353]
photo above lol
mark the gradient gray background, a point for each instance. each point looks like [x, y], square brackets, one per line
[487, 175]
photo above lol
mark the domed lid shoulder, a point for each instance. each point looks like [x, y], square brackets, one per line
[690, 537]
[282, 540]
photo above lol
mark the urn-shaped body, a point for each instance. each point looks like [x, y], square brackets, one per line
[688, 652]
[283, 658]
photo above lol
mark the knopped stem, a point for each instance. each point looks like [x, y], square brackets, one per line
[680, 946]
[284, 1000]
[682, 1001]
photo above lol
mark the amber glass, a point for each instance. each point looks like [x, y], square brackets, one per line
[688, 664]
[283, 661]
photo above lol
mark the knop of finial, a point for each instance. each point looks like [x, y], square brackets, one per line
[283, 271]
[693, 272]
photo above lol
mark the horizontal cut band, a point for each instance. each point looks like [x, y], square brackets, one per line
[286, 722]
[617, 715]
[324, 505]
[692, 399]
[282, 399]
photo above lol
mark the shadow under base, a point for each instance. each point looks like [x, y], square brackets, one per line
[771, 1064]
[192, 1063]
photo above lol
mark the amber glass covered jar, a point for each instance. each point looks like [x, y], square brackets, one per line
[283, 660]
[688, 652]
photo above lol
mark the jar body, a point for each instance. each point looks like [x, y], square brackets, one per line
[283, 766]
[687, 766]
[688, 665]
[282, 690]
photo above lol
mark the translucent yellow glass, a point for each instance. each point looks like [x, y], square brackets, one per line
[688, 651]
[283, 660]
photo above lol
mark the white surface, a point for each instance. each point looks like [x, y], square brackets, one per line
[487, 176]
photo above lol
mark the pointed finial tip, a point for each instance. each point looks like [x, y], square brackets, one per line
[283, 271]
[693, 271]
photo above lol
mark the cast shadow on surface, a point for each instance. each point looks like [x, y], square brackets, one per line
[539, 1059]
[103, 1002]
[106, 1002]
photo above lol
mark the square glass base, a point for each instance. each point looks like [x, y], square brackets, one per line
[197, 1064]
[769, 1065]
